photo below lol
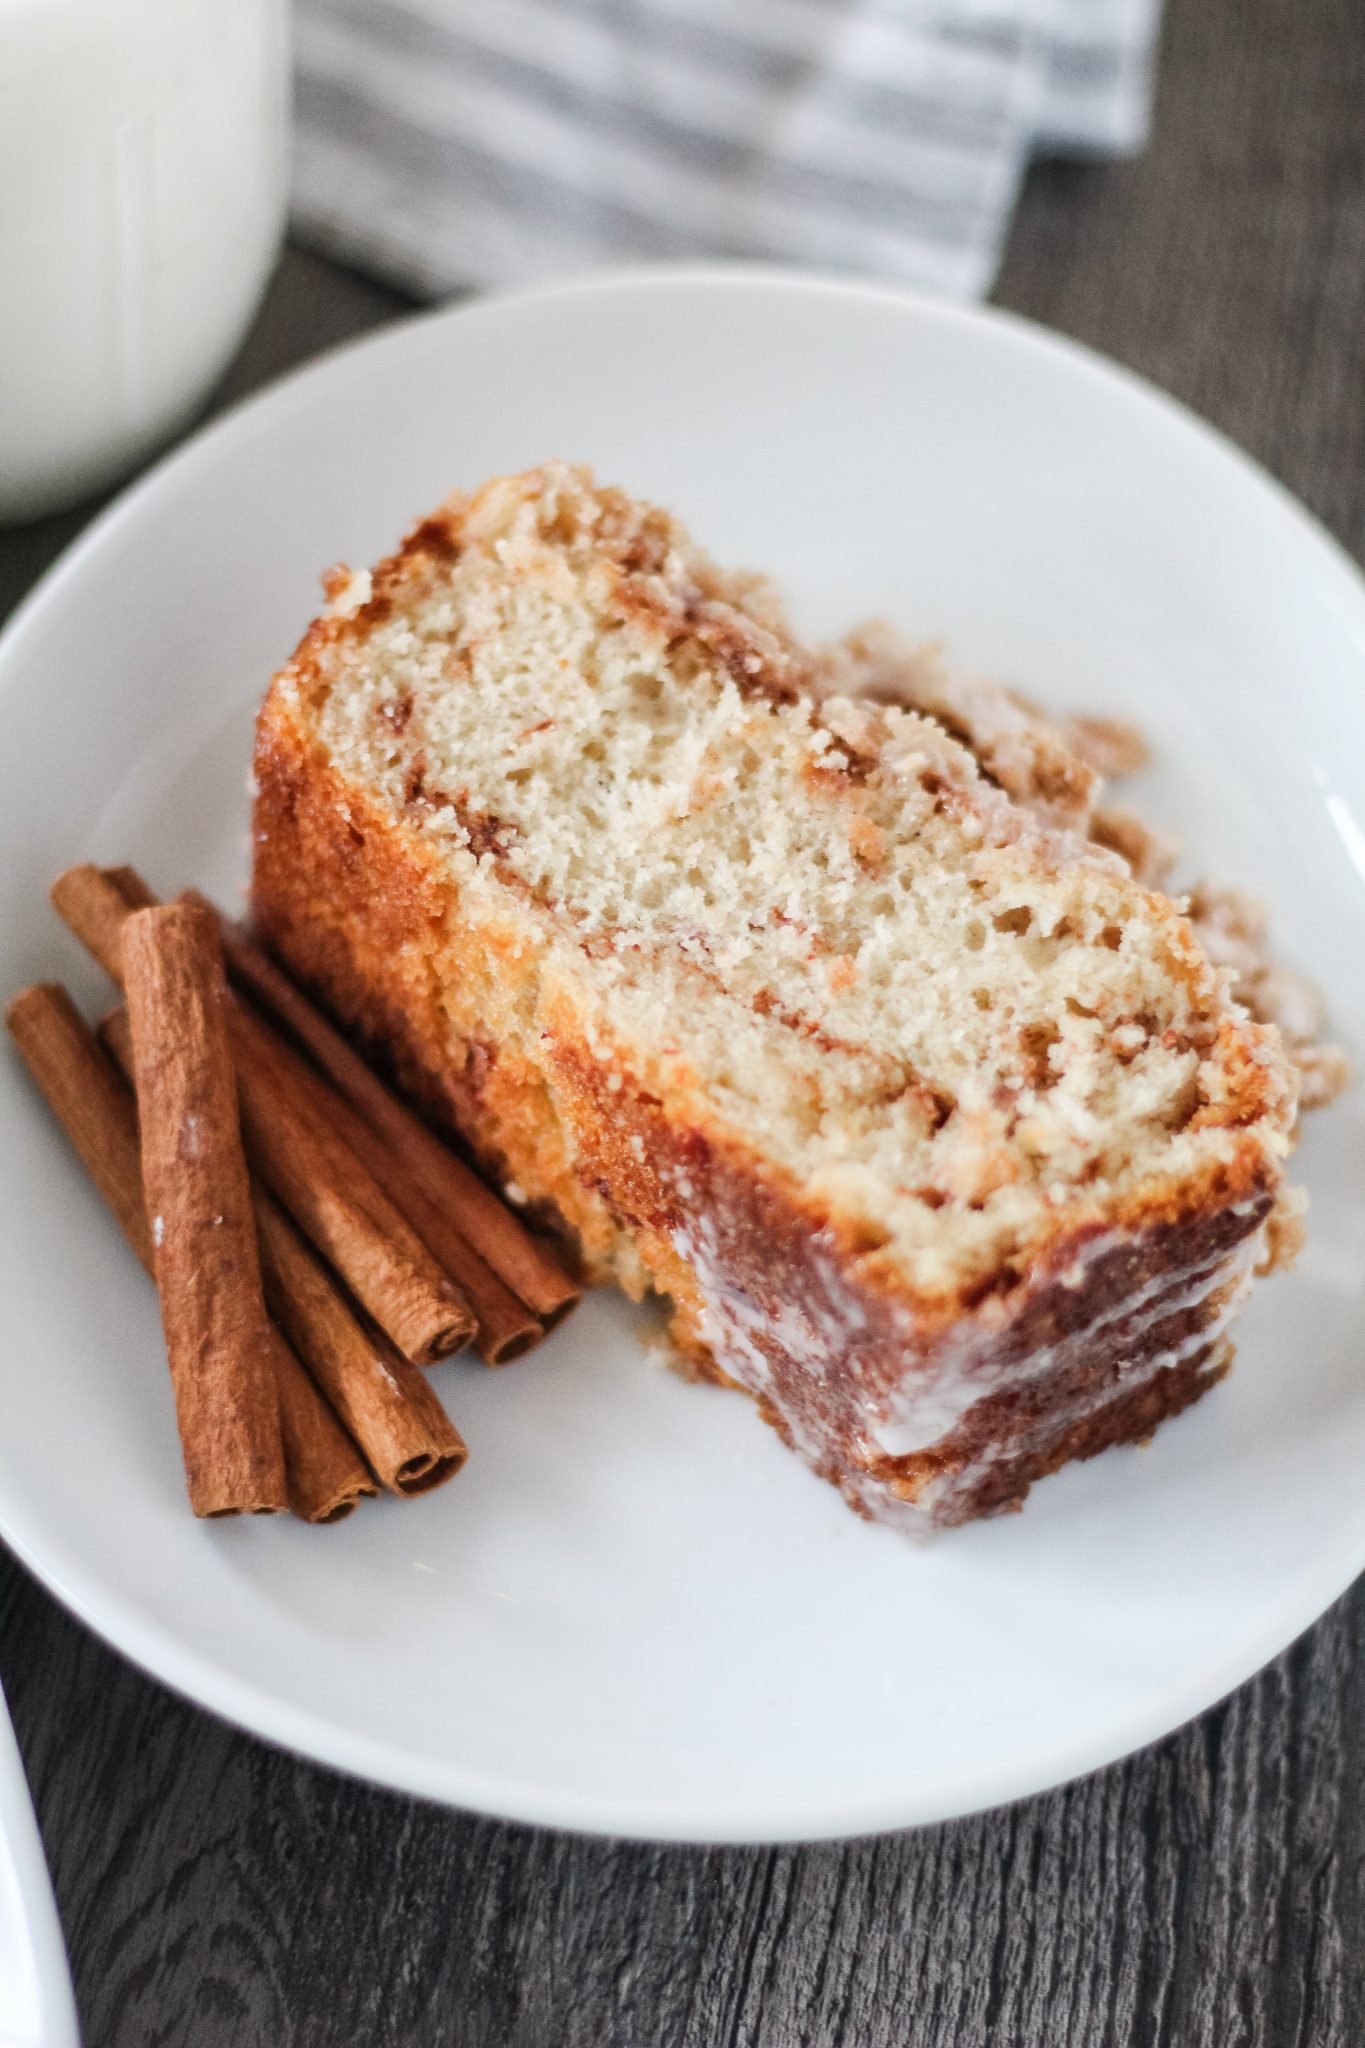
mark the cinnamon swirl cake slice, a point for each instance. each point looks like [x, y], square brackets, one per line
[942, 1135]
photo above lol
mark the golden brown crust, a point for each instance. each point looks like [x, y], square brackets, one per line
[366, 943]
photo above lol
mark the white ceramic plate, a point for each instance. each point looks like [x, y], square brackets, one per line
[635, 1612]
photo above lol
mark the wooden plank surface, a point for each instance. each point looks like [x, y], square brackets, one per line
[1207, 1894]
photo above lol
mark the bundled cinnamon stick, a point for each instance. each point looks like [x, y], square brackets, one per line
[506, 1327]
[91, 1103]
[349, 1217]
[95, 904]
[327, 1475]
[408, 1440]
[341, 1206]
[499, 1237]
[325, 1472]
[198, 1200]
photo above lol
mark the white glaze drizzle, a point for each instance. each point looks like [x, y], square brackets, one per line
[934, 1496]
[931, 1404]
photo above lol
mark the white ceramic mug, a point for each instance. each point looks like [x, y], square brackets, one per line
[142, 191]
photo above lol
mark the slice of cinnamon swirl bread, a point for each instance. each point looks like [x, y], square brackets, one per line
[942, 1134]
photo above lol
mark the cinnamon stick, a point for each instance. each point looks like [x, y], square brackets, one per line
[385, 1403]
[194, 1183]
[131, 887]
[483, 1220]
[91, 1103]
[506, 1327]
[95, 904]
[326, 1474]
[341, 1207]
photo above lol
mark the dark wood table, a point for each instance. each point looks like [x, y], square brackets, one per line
[1210, 1891]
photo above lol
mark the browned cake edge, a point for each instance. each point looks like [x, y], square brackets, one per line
[1113, 1329]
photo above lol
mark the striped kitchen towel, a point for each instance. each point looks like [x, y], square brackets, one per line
[454, 143]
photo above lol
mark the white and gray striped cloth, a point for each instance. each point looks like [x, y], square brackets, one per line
[449, 143]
